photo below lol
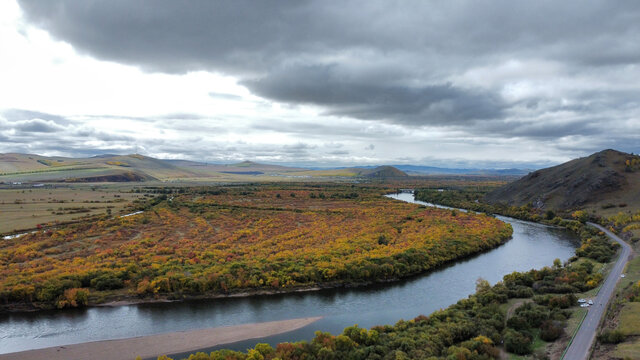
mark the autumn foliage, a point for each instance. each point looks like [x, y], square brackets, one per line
[214, 242]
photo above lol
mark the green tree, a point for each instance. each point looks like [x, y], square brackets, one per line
[517, 342]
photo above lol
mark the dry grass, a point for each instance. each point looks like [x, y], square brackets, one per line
[325, 173]
[630, 319]
[630, 350]
[22, 209]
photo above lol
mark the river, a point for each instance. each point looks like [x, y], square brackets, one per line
[532, 246]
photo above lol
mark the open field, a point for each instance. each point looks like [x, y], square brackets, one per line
[220, 240]
[632, 276]
[23, 208]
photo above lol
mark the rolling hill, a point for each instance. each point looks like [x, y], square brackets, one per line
[605, 180]
[31, 168]
[432, 170]
[383, 172]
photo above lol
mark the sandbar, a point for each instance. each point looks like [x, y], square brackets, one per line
[160, 344]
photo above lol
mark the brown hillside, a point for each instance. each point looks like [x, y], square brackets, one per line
[384, 172]
[607, 179]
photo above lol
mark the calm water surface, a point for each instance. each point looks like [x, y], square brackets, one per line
[532, 246]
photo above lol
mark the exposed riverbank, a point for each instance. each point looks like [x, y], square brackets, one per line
[155, 345]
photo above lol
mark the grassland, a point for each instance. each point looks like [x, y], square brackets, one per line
[326, 173]
[623, 314]
[630, 319]
[628, 350]
[24, 208]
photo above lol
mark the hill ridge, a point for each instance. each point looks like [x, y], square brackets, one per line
[605, 178]
[15, 167]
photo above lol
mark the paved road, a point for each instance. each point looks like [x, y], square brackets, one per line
[579, 349]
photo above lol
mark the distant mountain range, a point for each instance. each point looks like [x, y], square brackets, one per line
[607, 180]
[431, 170]
[418, 170]
[126, 168]
[16, 167]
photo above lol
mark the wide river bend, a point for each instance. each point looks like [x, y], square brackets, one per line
[532, 246]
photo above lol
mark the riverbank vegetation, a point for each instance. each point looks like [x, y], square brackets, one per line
[473, 328]
[215, 241]
[594, 244]
[615, 339]
[480, 327]
[619, 336]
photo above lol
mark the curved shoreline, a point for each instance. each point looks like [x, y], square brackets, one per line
[124, 300]
[249, 294]
[241, 293]
[159, 344]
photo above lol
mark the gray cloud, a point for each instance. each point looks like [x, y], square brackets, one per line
[325, 86]
[416, 66]
[23, 122]
[243, 35]
[372, 61]
[37, 126]
[22, 114]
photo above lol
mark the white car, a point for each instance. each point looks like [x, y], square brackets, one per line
[590, 302]
[584, 305]
[622, 275]
[582, 301]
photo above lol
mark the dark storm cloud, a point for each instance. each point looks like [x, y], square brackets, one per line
[243, 35]
[541, 129]
[417, 105]
[373, 60]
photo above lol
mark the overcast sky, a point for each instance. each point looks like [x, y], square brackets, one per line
[445, 83]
